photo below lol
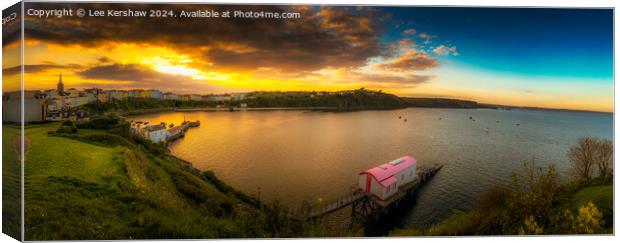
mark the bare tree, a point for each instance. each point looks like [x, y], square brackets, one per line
[582, 157]
[604, 158]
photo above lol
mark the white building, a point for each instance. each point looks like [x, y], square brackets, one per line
[34, 106]
[117, 95]
[156, 94]
[171, 96]
[156, 133]
[224, 97]
[195, 97]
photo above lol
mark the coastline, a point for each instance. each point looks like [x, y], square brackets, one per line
[226, 109]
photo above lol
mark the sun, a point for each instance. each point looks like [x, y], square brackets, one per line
[179, 67]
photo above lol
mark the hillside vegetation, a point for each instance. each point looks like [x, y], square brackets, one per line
[536, 202]
[350, 100]
[99, 184]
[11, 173]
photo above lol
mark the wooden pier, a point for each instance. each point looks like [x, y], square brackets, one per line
[179, 131]
[367, 207]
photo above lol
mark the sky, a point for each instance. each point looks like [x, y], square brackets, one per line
[554, 58]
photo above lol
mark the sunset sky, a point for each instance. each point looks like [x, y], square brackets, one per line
[556, 58]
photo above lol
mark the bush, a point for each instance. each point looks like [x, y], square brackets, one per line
[106, 140]
[101, 123]
[67, 127]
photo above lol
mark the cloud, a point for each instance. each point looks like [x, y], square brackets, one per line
[323, 37]
[410, 61]
[409, 32]
[125, 72]
[445, 50]
[425, 36]
[37, 68]
[407, 79]
[139, 76]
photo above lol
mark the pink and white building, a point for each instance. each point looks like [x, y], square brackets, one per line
[384, 180]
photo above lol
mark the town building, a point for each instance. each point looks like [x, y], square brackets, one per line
[384, 180]
[134, 93]
[156, 133]
[195, 97]
[117, 95]
[171, 96]
[224, 97]
[34, 108]
[60, 87]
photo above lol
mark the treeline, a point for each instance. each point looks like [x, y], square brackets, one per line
[351, 100]
[360, 99]
[443, 103]
[536, 201]
[135, 103]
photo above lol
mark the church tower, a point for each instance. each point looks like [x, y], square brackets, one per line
[61, 87]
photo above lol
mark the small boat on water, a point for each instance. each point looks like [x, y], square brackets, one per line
[194, 124]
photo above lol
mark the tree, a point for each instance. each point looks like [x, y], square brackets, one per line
[582, 157]
[604, 158]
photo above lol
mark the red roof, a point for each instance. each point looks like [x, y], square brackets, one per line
[389, 169]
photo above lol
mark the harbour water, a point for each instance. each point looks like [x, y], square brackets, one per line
[316, 156]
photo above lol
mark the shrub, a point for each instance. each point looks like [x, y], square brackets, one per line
[67, 127]
[588, 220]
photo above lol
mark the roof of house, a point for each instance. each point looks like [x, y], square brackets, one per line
[389, 169]
[155, 127]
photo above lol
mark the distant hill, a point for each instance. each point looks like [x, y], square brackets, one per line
[443, 103]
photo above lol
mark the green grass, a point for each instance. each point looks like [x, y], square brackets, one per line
[11, 173]
[79, 190]
[602, 197]
[599, 195]
[56, 156]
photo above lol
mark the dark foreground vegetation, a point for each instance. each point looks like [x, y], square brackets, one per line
[537, 202]
[95, 180]
[352, 100]
[11, 182]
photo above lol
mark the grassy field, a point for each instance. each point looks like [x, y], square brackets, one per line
[602, 197]
[11, 173]
[599, 195]
[79, 190]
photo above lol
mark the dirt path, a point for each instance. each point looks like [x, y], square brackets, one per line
[17, 145]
